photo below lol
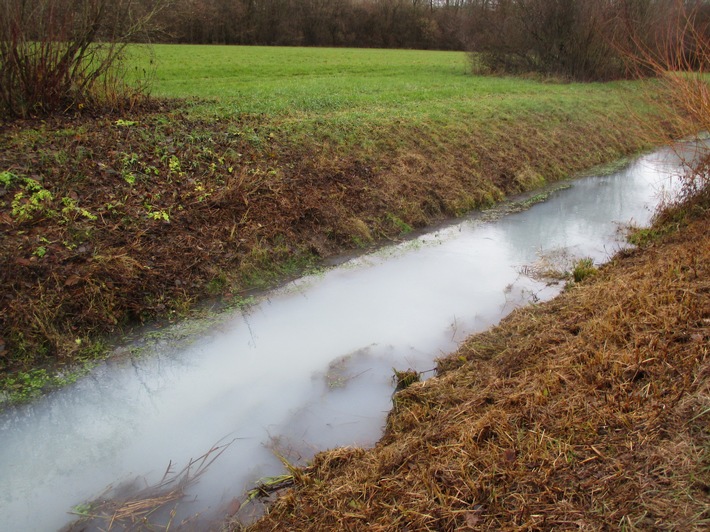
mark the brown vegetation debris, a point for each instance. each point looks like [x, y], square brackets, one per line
[589, 412]
[111, 220]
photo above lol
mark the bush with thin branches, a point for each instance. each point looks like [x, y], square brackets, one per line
[679, 60]
[57, 55]
[574, 39]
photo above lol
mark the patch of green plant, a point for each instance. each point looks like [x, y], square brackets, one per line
[71, 207]
[217, 284]
[7, 178]
[27, 385]
[31, 200]
[82, 510]
[582, 269]
[533, 200]
[610, 168]
[24, 386]
[174, 165]
[644, 236]
[157, 214]
[242, 303]
[359, 242]
[403, 227]
[540, 197]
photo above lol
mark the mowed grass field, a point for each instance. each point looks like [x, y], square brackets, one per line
[343, 90]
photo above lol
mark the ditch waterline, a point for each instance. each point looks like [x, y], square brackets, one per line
[308, 366]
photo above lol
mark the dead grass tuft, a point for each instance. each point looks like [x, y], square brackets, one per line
[142, 508]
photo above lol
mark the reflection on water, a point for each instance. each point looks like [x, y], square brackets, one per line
[309, 366]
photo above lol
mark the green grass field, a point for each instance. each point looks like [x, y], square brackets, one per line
[373, 101]
[297, 85]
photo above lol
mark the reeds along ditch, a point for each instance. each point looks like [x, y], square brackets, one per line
[588, 411]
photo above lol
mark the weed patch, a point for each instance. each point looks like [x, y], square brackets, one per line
[582, 269]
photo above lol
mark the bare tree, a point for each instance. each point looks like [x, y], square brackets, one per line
[578, 39]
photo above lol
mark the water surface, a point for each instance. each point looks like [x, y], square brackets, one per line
[308, 366]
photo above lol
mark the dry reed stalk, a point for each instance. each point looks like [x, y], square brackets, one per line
[134, 512]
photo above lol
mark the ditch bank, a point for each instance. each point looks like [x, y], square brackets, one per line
[112, 221]
[589, 411]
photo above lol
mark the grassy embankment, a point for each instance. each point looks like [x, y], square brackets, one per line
[590, 412]
[294, 155]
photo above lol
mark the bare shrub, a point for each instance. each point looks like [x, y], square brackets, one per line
[60, 54]
[547, 36]
[679, 59]
[575, 39]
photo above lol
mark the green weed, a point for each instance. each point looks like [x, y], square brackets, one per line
[157, 214]
[403, 227]
[33, 199]
[71, 208]
[7, 178]
[582, 269]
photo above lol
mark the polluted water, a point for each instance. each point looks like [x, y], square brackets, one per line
[303, 368]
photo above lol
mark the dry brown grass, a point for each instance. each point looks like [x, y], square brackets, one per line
[590, 412]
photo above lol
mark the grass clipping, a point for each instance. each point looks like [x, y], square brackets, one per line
[589, 412]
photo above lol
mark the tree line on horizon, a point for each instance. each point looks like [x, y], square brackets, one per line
[577, 39]
[57, 54]
[419, 24]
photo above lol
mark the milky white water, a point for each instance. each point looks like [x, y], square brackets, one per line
[308, 366]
